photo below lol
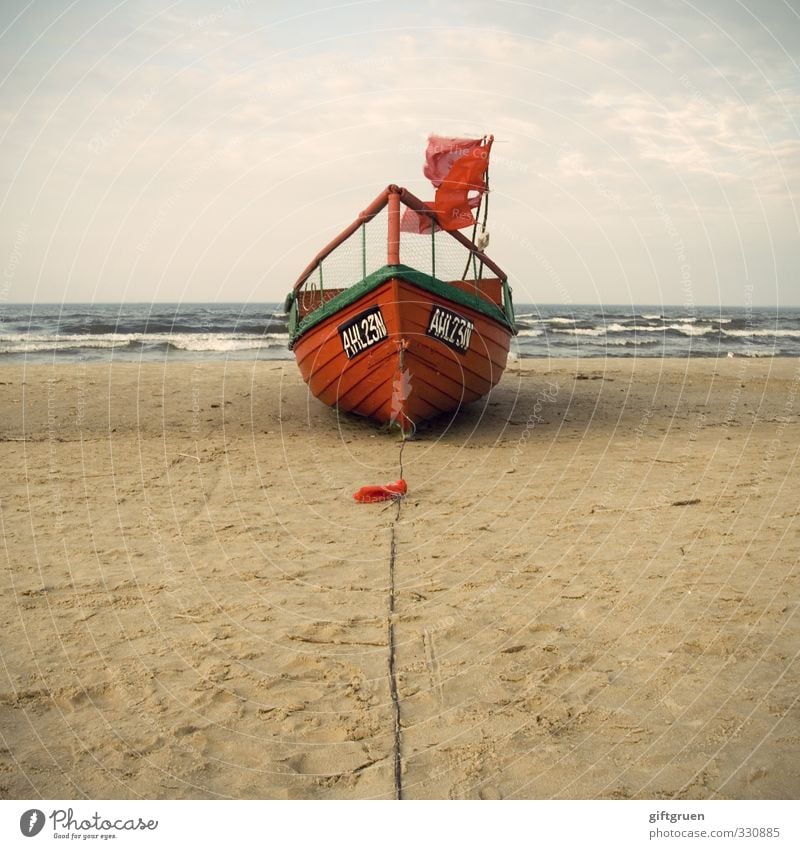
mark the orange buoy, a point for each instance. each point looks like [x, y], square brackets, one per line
[386, 492]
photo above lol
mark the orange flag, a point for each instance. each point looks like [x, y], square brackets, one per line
[465, 179]
[457, 169]
[442, 153]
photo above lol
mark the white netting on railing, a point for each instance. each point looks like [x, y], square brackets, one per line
[365, 251]
[439, 255]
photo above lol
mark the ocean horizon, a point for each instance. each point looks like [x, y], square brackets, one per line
[142, 332]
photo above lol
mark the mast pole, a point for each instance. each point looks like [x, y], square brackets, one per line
[393, 252]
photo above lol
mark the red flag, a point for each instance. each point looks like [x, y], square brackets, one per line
[413, 222]
[461, 189]
[442, 154]
[457, 168]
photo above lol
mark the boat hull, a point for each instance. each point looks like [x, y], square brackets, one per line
[401, 353]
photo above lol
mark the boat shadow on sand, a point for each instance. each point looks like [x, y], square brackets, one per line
[524, 401]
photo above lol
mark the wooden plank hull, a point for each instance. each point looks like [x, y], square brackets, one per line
[401, 354]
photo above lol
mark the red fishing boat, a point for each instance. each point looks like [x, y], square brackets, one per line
[402, 317]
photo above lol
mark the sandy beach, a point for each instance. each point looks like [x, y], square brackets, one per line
[596, 586]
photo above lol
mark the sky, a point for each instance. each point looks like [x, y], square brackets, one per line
[646, 153]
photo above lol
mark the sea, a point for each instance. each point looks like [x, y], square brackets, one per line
[39, 333]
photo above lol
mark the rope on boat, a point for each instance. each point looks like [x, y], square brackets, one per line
[471, 257]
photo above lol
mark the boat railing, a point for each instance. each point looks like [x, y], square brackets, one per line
[379, 236]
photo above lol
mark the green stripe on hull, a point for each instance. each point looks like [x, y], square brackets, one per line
[372, 281]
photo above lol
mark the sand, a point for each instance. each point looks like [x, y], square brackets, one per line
[596, 586]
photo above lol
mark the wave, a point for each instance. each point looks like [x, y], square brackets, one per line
[676, 329]
[582, 331]
[630, 343]
[230, 343]
[688, 329]
[743, 334]
[211, 342]
[33, 346]
[104, 328]
[681, 329]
